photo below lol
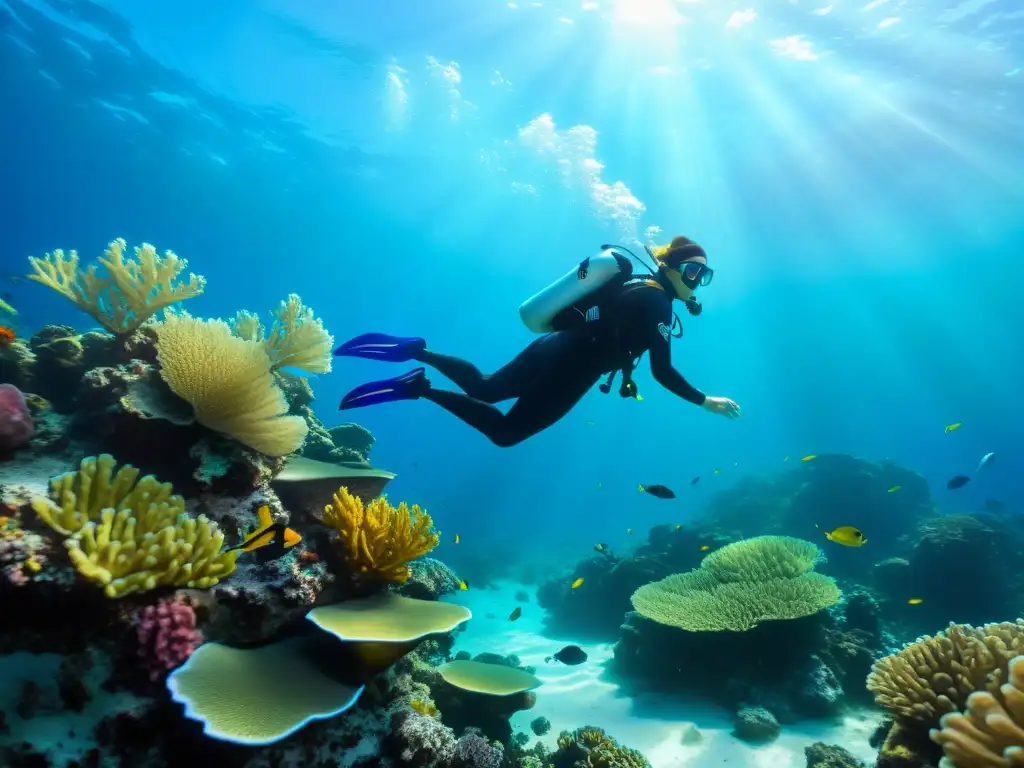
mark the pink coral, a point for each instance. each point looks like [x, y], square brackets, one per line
[16, 427]
[167, 635]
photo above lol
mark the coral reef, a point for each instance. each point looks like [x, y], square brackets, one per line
[740, 586]
[167, 635]
[131, 293]
[821, 755]
[377, 540]
[16, 426]
[990, 731]
[591, 747]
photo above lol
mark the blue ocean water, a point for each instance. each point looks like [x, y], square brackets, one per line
[854, 170]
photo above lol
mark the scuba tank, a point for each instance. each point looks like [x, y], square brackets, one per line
[550, 309]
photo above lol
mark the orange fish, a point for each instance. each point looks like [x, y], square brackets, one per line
[273, 538]
[7, 336]
[308, 556]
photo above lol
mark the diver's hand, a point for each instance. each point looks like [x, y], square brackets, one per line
[722, 406]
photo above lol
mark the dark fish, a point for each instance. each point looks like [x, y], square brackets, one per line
[958, 482]
[695, 480]
[571, 655]
[516, 613]
[657, 491]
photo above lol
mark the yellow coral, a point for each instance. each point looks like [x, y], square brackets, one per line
[82, 495]
[133, 290]
[378, 539]
[227, 381]
[424, 707]
[130, 536]
[934, 675]
[740, 586]
[990, 733]
[297, 339]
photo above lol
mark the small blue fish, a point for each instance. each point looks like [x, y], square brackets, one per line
[985, 460]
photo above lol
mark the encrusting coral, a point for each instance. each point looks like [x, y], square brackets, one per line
[132, 537]
[132, 291]
[377, 539]
[990, 732]
[228, 382]
[297, 338]
[740, 586]
[935, 675]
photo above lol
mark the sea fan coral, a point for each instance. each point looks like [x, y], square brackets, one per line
[297, 338]
[228, 383]
[935, 675]
[132, 292]
[990, 733]
[378, 540]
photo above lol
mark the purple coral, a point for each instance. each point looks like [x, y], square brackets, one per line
[16, 427]
[474, 751]
[167, 635]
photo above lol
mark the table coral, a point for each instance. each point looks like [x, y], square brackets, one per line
[377, 539]
[132, 291]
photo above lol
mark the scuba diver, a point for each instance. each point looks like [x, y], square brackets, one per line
[597, 320]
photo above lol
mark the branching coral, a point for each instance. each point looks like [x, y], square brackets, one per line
[228, 383]
[990, 733]
[740, 586]
[591, 747]
[378, 540]
[132, 291]
[130, 537]
[297, 338]
[935, 675]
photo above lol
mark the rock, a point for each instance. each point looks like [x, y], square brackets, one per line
[756, 725]
[690, 734]
[429, 579]
[540, 725]
[822, 694]
[821, 755]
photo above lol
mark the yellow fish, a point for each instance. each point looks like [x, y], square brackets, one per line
[716, 471]
[577, 583]
[915, 601]
[456, 539]
[639, 398]
[704, 548]
[809, 457]
[952, 427]
[3, 522]
[599, 547]
[33, 565]
[463, 585]
[846, 535]
[274, 537]
[894, 489]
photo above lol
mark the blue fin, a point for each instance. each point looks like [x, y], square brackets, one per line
[381, 346]
[408, 386]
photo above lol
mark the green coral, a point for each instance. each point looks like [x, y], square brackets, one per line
[129, 536]
[741, 585]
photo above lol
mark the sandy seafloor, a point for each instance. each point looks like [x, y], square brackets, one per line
[654, 724]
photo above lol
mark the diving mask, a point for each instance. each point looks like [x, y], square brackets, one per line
[695, 273]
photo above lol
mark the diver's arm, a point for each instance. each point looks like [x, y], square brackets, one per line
[666, 375]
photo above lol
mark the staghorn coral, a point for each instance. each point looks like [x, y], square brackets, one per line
[296, 339]
[377, 539]
[132, 291]
[130, 536]
[228, 383]
[990, 732]
[935, 675]
[740, 586]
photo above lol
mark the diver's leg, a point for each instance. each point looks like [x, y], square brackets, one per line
[509, 381]
[537, 409]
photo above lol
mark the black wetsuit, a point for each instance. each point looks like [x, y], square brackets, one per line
[554, 372]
